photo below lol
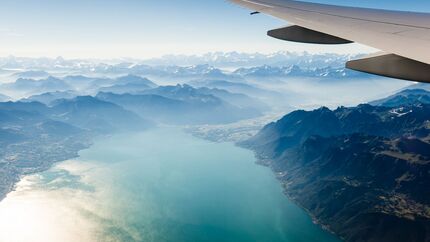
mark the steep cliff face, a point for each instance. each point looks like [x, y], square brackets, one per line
[362, 172]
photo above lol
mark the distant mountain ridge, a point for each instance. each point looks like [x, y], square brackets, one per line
[84, 112]
[405, 97]
[80, 84]
[93, 114]
[296, 71]
[49, 84]
[133, 79]
[49, 97]
[238, 99]
[129, 84]
[182, 104]
[217, 59]
[236, 59]
[234, 87]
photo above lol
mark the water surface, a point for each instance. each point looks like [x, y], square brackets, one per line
[160, 185]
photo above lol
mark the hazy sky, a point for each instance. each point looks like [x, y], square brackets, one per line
[148, 28]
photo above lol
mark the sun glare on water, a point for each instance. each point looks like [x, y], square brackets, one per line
[45, 215]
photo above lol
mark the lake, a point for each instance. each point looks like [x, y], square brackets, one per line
[159, 185]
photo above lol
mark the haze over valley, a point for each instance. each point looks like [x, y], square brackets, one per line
[164, 149]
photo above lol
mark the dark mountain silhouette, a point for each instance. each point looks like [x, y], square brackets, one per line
[96, 115]
[405, 97]
[48, 97]
[362, 172]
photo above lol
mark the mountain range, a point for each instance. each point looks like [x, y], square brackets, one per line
[236, 59]
[408, 96]
[222, 66]
[217, 59]
[235, 87]
[78, 83]
[362, 172]
[296, 71]
[210, 72]
[83, 112]
[183, 104]
[30, 86]
[48, 97]
[129, 84]
[180, 104]
[96, 115]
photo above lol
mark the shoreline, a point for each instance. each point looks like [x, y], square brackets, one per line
[266, 163]
[261, 161]
[86, 143]
[35, 170]
[12, 188]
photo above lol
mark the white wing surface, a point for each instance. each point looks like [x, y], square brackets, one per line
[404, 37]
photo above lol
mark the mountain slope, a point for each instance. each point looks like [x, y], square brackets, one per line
[30, 141]
[405, 97]
[49, 97]
[180, 105]
[238, 99]
[235, 87]
[50, 84]
[137, 80]
[362, 172]
[96, 115]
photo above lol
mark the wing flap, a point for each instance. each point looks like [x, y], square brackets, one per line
[391, 65]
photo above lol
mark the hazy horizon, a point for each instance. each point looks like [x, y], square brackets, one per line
[178, 55]
[147, 29]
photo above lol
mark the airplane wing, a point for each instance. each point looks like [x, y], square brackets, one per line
[403, 37]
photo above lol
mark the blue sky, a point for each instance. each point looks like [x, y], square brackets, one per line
[149, 28]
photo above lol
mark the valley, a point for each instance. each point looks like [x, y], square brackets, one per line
[353, 158]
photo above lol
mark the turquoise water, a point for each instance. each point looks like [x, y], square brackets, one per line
[160, 185]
